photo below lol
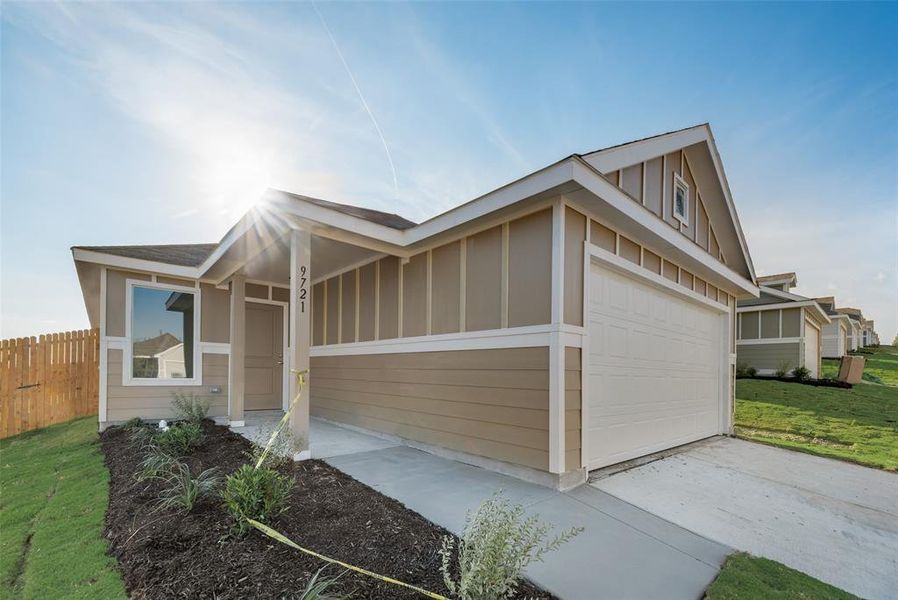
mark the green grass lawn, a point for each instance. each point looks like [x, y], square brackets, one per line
[879, 367]
[746, 577]
[860, 424]
[54, 494]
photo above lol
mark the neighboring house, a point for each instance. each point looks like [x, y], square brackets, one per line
[855, 336]
[580, 316]
[780, 329]
[159, 357]
[836, 333]
[868, 335]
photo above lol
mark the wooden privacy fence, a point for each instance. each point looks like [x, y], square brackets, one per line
[49, 379]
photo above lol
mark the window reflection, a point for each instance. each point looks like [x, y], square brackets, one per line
[162, 334]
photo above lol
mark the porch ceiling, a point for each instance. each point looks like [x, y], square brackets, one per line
[328, 256]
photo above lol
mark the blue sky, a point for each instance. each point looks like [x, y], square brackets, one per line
[161, 123]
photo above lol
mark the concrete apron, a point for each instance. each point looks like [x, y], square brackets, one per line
[624, 552]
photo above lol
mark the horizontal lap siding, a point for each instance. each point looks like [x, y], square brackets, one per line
[154, 401]
[768, 356]
[572, 404]
[492, 403]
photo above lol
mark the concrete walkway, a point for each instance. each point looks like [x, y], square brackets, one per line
[833, 520]
[624, 552]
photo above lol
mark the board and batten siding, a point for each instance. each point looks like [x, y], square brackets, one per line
[492, 403]
[154, 401]
[650, 183]
[498, 277]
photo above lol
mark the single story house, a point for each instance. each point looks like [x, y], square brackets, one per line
[855, 335]
[780, 329]
[577, 317]
[836, 333]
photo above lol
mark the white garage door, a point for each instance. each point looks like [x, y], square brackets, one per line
[811, 348]
[654, 369]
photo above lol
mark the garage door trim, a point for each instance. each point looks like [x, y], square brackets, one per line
[596, 255]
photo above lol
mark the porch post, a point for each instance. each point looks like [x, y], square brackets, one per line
[300, 320]
[238, 351]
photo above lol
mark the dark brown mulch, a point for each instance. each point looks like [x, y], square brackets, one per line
[835, 383]
[169, 554]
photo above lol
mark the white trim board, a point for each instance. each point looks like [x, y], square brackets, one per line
[513, 337]
[767, 341]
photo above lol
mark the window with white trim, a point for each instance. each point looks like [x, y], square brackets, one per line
[681, 200]
[163, 322]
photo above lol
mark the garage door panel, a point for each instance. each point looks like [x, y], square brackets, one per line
[654, 362]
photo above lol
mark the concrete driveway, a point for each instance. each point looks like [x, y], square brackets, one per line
[833, 520]
[624, 552]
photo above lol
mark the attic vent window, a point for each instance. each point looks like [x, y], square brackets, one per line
[681, 200]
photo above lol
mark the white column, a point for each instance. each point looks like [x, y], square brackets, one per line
[300, 313]
[238, 351]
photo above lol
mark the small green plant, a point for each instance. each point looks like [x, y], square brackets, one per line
[744, 370]
[256, 493]
[497, 544]
[190, 407]
[180, 438]
[156, 464]
[143, 437]
[319, 588]
[801, 373]
[183, 490]
[783, 369]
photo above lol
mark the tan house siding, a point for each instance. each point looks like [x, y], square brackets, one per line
[769, 356]
[332, 302]
[347, 307]
[654, 180]
[414, 296]
[530, 269]
[631, 181]
[574, 238]
[483, 309]
[367, 314]
[770, 324]
[388, 315]
[116, 282]
[445, 288]
[492, 403]
[572, 408]
[318, 313]
[154, 401]
[215, 314]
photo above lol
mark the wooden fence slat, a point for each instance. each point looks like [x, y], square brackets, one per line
[48, 379]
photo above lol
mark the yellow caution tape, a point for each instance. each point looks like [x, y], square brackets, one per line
[285, 540]
[301, 381]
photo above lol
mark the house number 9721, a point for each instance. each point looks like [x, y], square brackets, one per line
[302, 292]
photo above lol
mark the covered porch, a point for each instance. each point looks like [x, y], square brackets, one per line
[269, 262]
[326, 438]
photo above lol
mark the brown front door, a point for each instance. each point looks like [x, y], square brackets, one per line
[264, 362]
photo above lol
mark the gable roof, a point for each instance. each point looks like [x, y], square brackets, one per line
[375, 216]
[790, 278]
[632, 153]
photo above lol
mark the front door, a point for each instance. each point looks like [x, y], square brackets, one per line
[264, 360]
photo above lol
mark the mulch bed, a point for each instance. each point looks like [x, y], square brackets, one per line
[814, 382]
[169, 554]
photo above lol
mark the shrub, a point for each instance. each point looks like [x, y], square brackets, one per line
[783, 369]
[190, 407]
[180, 438]
[259, 494]
[319, 587]
[743, 370]
[497, 544]
[801, 373]
[183, 490]
[143, 437]
[156, 464]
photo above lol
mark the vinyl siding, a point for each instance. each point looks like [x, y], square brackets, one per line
[154, 401]
[768, 357]
[492, 403]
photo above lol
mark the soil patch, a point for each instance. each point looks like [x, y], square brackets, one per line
[170, 554]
